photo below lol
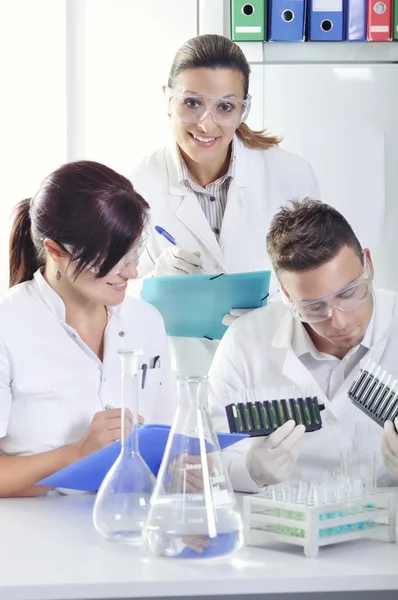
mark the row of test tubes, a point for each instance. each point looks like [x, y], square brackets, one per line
[354, 486]
[376, 392]
[322, 494]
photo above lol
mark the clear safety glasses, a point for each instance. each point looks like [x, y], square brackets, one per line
[193, 108]
[132, 256]
[321, 309]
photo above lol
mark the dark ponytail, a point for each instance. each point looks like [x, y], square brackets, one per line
[23, 256]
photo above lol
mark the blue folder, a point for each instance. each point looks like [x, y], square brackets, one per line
[356, 20]
[87, 474]
[325, 21]
[194, 305]
[287, 20]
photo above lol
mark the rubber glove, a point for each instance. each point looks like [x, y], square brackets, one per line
[235, 313]
[271, 459]
[177, 261]
[389, 447]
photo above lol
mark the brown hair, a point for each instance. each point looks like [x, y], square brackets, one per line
[212, 51]
[83, 204]
[307, 233]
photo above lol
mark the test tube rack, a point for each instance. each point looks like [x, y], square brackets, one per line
[369, 516]
[262, 418]
[375, 392]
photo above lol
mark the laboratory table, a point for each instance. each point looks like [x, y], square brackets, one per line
[49, 550]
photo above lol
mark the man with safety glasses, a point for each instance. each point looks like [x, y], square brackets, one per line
[313, 342]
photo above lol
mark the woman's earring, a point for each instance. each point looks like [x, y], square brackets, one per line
[57, 275]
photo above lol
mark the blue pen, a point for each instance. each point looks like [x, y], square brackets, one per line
[165, 234]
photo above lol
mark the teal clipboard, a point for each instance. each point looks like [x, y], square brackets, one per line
[194, 305]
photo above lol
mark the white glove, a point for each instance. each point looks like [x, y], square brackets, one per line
[389, 448]
[271, 459]
[177, 261]
[235, 313]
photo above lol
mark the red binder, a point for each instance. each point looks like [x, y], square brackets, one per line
[379, 20]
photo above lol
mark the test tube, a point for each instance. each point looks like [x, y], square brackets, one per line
[390, 406]
[297, 412]
[255, 416]
[386, 400]
[345, 462]
[365, 382]
[371, 389]
[315, 410]
[381, 393]
[289, 409]
[273, 415]
[247, 417]
[306, 411]
[360, 381]
[279, 411]
[262, 407]
[239, 416]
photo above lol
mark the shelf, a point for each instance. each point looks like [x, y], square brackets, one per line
[320, 52]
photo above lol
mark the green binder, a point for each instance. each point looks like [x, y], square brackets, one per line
[395, 20]
[248, 20]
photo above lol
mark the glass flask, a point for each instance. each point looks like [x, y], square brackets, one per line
[123, 498]
[193, 511]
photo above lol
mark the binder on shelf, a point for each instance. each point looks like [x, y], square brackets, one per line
[248, 20]
[286, 20]
[356, 20]
[325, 21]
[379, 21]
[395, 20]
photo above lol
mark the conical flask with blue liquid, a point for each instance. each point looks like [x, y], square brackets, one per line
[193, 511]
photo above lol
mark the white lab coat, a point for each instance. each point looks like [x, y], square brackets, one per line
[52, 383]
[263, 181]
[256, 356]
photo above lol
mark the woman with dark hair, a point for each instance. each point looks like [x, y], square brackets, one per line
[73, 248]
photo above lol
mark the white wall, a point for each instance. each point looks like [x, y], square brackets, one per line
[343, 120]
[129, 48]
[81, 79]
[32, 103]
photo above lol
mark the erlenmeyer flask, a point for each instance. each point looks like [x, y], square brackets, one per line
[123, 498]
[193, 511]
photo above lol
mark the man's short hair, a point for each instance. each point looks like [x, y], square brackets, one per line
[306, 234]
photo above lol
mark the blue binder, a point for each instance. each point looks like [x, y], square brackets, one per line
[325, 21]
[355, 20]
[87, 474]
[194, 305]
[287, 20]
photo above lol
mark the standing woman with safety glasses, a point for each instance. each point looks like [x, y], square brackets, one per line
[217, 184]
[73, 248]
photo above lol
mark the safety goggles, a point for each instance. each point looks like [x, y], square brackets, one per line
[346, 300]
[132, 255]
[193, 108]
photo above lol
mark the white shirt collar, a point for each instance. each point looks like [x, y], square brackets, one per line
[52, 300]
